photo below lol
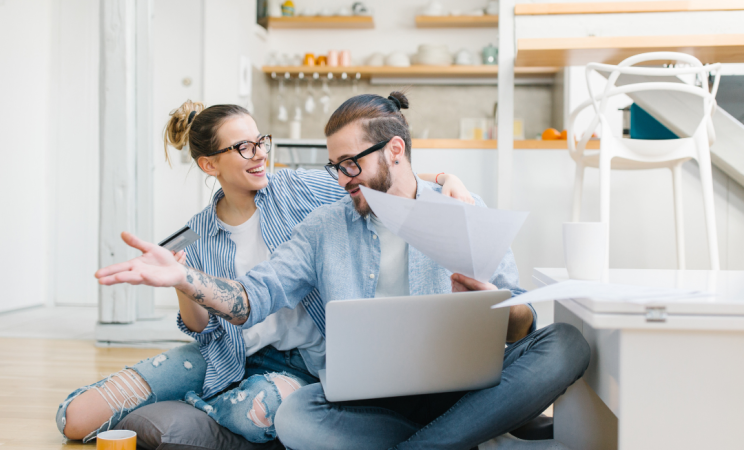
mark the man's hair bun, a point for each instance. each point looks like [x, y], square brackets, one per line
[399, 98]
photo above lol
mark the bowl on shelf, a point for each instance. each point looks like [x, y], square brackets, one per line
[465, 57]
[433, 55]
[434, 8]
[475, 13]
[398, 59]
[376, 59]
[343, 12]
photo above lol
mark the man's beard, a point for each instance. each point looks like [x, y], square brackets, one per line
[382, 182]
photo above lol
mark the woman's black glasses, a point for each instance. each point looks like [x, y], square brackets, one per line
[247, 149]
[350, 166]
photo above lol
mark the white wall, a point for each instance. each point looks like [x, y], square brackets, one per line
[73, 164]
[24, 138]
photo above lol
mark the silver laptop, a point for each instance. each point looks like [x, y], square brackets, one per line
[388, 347]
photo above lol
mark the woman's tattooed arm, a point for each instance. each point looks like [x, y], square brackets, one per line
[221, 297]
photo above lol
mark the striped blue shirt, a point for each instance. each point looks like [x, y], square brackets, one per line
[289, 197]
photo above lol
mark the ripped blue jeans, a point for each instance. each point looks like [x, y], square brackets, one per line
[178, 374]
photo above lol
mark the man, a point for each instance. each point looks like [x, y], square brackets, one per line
[346, 253]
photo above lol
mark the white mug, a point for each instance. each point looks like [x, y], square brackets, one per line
[275, 8]
[585, 249]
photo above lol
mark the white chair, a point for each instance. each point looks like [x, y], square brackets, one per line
[636, 154]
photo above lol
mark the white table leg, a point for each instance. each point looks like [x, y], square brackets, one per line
[654, 389]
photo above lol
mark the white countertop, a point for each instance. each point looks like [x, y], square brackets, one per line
[724, 310]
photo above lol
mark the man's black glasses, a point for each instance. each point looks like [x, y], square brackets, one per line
[350, 166]
[247, 149]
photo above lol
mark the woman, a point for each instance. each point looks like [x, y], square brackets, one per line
[249, 217]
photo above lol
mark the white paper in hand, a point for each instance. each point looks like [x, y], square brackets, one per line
[462, 238]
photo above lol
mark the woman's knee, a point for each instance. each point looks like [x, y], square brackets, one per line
[96, 404]
[76, 423]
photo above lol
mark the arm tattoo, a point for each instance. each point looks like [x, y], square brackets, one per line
[223, 298]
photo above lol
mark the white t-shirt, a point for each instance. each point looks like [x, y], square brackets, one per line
[392, 281]
[287, 328]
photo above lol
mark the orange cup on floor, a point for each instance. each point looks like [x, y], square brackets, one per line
[116, 440]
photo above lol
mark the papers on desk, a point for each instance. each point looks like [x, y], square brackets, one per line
[597, 291]
[462, 238]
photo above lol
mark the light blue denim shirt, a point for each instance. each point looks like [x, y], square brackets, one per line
[288, 198]
[333, 250]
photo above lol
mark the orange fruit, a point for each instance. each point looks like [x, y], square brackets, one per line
[551, 134]
[564, 135]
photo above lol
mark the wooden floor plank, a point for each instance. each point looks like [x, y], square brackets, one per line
[38, 374]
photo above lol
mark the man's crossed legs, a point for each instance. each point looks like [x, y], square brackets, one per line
[537, 370]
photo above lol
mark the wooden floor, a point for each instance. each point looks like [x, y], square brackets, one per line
[36, 375]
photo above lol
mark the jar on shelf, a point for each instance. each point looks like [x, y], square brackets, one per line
[288, 9]
[490, 55]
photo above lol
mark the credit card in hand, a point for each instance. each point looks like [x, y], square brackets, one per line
[180, 240]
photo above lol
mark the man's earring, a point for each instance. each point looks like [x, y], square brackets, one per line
[396, 162]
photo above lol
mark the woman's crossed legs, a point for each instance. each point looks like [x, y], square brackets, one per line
[101, 405]
[178, 374]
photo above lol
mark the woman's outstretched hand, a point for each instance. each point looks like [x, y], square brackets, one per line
[155, 267]
[455, 188]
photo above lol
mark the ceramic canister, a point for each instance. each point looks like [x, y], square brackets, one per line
[332, 58]
[345, 58]
[490, 55]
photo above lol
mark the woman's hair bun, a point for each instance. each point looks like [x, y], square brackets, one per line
[399, 99]
[177, 128]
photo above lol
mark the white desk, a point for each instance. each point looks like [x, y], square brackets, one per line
[662, 376]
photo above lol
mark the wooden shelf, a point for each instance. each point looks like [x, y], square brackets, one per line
[486, 21]
[528, 9]
[527, 144]
[453, 71]
[725, 48]
[300, 22]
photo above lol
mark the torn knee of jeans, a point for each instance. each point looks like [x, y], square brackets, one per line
[285, 384]
[124, 390]
[259, 413]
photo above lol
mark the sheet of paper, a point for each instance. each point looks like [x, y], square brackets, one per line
[601, 292]
[462, 238]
